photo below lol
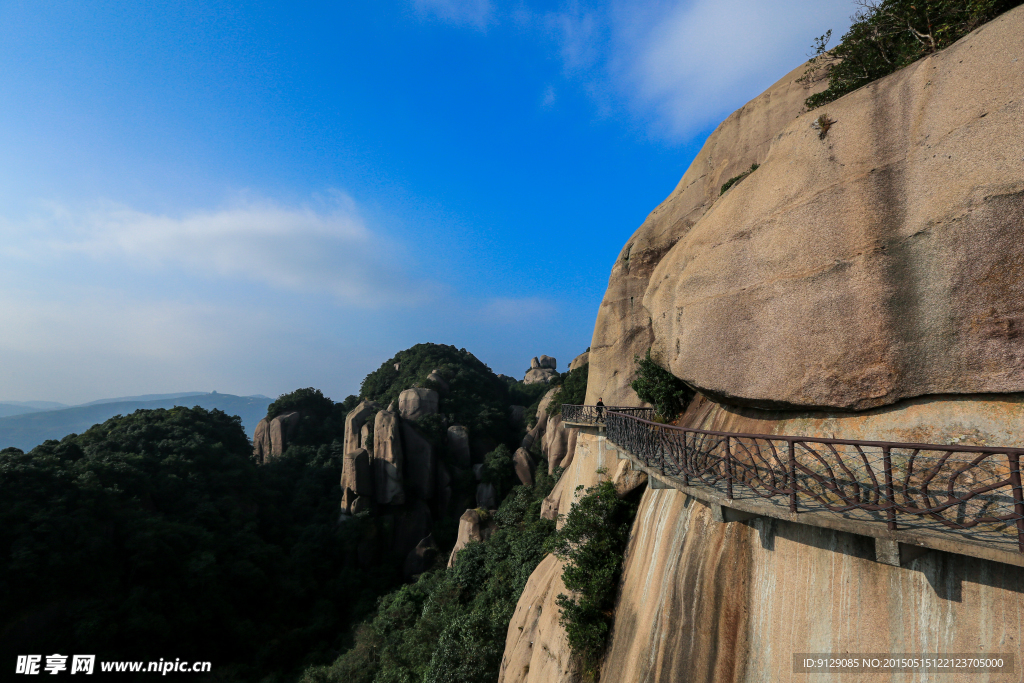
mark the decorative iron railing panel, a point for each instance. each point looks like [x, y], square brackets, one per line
[596, 414]
[973, 490]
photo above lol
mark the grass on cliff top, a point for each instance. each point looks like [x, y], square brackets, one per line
[889, 35]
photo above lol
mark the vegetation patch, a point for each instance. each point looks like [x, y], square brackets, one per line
[732, 181]
[592, 543]
[450, 625]
[572, 391]
[888, 35]
[667, 393]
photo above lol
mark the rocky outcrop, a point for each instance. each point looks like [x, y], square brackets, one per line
[537, 431]
[884, 259]
[270, 438]
[524, 466]
[580, 360]
[421, 558]
[623, 328]
[458, 445]
[419, 463]
[559, 443]
[412, 523]
[893, 229]
[474, 525]
[536, 648]
[356, 482]
[442, 383]
[354, 421]
[543, 363]
[388, 461]
[539, 376]
[415, 403]
[626, 479]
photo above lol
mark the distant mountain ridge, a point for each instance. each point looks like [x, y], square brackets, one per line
[29, 428]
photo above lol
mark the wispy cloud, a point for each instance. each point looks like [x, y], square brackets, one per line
[325, 248]
[476, 13]
[518, 311]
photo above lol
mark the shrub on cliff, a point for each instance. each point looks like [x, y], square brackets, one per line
[888, 35]
[573, 390]
[653, 384]
[592, 543]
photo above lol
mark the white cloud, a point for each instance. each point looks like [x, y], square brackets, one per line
[477, 13]
[302, 249]
[684, 65]
[549, 97]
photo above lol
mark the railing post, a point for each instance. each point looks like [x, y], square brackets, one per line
[887, 464]
[792, 476]
[728, 468]
[1018, 497]
[683, 461]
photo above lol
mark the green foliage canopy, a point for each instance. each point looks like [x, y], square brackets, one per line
[667, 393]
[888, 35]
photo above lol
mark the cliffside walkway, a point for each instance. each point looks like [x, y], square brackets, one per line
[910, 497]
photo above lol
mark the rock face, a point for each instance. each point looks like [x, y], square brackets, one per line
[536, 648]
[486, 496]
[792, 588]
[546, 362]
[388, 463]
[415, 403]
[580, 360]
[537, 430]
[458, 444]
[884, 259]
[539, 375]
[354, 421]
[420, 558]
[419, 463]
[623, 329]
[524, 466]
[858, 286]
[626, 480]
[473, 526]
[270, 438]
[356, 479]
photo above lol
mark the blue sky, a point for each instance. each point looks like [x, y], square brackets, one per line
[256, 197]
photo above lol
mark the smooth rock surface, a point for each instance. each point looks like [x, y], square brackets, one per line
[878, 264]
[539, 375]
[536, 648]
[270, 438]
[356, 478]
[474, 525]
[524, 466]
[388, 461]
[415, 403]
[354, 421]
[580, 360]
[486, 496]
[547, 362]
[623, 329]
[626, 479]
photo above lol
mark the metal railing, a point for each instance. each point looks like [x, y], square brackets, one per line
[974, 490]
[596, 414]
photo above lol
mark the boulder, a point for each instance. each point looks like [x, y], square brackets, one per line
[486, 496]
[580, 360]
[388, 463]
[549, 509]
[535, 363]
[415, 403]
[442, 383]
[556, 442]
[354, 422]
[524, 466]
[474, 525]
[356, 478]
[458, 445]
[361, 504]
[626, 479]
[570, 448]
[419, 463]
[421, 558]
[539, 376]
[531, 436]
[547, 362]
[270, 438]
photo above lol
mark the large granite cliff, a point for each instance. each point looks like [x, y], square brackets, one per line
[861, 285]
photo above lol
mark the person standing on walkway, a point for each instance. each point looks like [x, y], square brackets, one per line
[600, 409]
